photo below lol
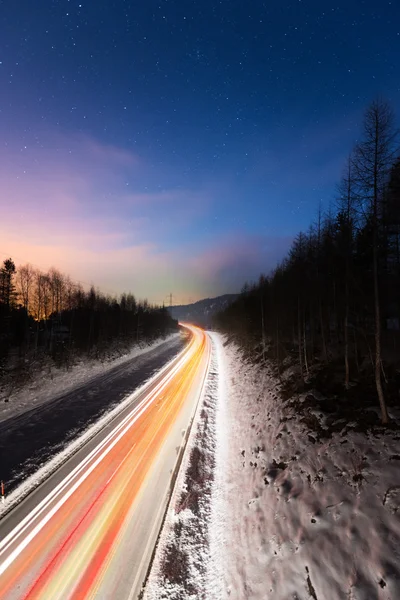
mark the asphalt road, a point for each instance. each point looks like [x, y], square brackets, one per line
[32, 438]
[90, 529]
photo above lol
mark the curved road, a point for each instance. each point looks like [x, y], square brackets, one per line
[90, 529]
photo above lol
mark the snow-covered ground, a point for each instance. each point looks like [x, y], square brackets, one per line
[293, 512]
[52, 381]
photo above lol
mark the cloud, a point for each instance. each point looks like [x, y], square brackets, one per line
[66, 203]
[234, 259]
[108, 154]
[105, 259]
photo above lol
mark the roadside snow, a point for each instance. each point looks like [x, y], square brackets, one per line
[49, 384]
[295, 517]
[214, 587]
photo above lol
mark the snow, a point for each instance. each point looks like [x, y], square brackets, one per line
[216, 539]
[299, 519]
[266, 505]
[293, 513]
[53, 381]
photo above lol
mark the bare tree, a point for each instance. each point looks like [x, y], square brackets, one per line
[25, 283]
[374, 157]
[346, 223]
[320, 308]
[57, 290]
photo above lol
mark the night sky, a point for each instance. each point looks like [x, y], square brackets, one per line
[179, 146]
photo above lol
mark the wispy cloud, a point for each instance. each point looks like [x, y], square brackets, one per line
[235, 259]
[87, 209]
[108, 154]
[68, 203]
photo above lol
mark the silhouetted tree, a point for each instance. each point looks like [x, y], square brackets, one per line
[7, 287]
[374, 157]
[327, 299]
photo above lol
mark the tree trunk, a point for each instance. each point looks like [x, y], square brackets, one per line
[321, 321]
[312, 332]
[262, 329]
[299, 337]
[277, 346]
[346, 340]
[70, 339]
[90, 336]
[356, 351]
[378, 358]
[305, 343]
[335, 312]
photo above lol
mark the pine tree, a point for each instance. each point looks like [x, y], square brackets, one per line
[7, 287]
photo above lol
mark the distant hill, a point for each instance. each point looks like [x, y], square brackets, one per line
[201, 312]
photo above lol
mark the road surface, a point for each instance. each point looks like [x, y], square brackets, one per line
[32, 438]
[89, 530]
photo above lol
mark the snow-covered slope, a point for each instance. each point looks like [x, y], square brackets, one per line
[301, 515]
[300, 506]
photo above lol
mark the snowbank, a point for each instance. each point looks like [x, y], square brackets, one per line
[299, 514]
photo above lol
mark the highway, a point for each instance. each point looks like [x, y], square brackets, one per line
[90, 529]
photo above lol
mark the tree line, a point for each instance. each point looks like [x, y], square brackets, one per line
[47, 315]
[336, 296]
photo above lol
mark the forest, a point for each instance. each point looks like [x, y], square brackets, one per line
[333, 304]
[46, 318]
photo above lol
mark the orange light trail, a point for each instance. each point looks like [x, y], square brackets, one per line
[65, 546]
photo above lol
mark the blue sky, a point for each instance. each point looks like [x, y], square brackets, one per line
[180, 146]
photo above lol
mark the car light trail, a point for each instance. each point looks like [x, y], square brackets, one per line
[68, 543]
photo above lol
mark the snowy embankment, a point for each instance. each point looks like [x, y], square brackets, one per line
[290, 508]
[53, 381]
[308, 513]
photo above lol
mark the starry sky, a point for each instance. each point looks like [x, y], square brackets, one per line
[180, 145]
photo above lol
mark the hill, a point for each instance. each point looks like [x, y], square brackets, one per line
[201, 312]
